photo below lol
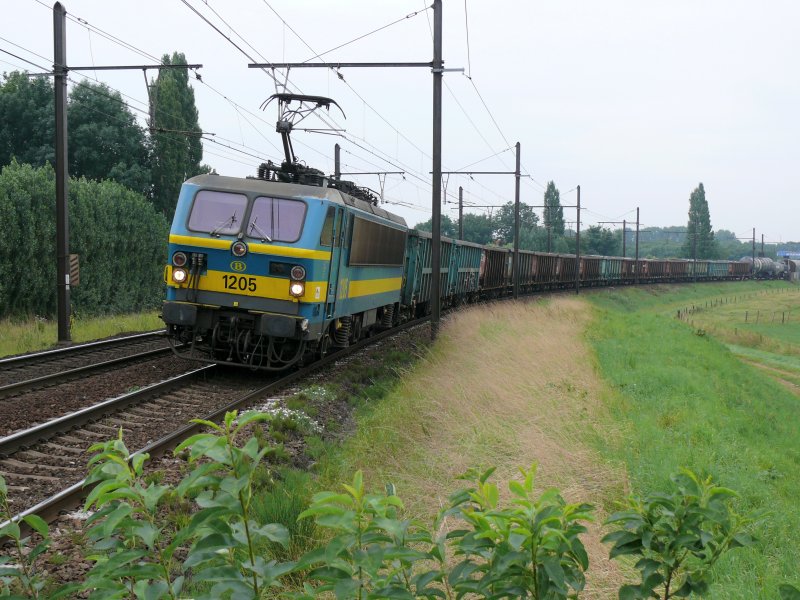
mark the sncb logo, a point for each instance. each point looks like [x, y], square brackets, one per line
[238, 266]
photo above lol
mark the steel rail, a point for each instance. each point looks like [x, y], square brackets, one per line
[12, 389]
[44, 431]
[13, 361]
[68, 498]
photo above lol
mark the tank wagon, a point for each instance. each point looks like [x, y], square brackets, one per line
[765, 268]
[269, 271]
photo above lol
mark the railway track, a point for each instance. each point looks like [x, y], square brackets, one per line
[44, 466]
[19, 374]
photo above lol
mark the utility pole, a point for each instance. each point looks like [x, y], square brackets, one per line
[624, 223]
[60, 73]
[436, 196]
[515, 269]
[694, 254]
[337, 162]
[754, 249]
[62, 175]
[762, 245]
[636, 265]
[460, 213]
[578, 247]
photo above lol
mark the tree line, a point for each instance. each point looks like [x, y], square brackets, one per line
[124, 186]
[696, 239]
[105, 139]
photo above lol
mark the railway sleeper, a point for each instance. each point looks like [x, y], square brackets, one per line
[102, 428]
[34, 468]
[71, 439]
[88, 434]
[144, 413]
[29, 477]
[59, 448]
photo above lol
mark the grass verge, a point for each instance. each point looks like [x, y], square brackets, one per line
[38, 333]
[682, 399]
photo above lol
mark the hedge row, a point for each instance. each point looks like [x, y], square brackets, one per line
[120, 238]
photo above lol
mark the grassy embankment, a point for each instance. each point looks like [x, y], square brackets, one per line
[503, 386]
[17, 337]
[605, 399]
[682, 397]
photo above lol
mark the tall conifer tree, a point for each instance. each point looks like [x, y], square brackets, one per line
[177, 149]
[699, 226]
[553, 216]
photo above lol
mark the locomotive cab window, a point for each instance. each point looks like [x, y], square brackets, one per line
[276, 219]
[217, 213]
[327, 238]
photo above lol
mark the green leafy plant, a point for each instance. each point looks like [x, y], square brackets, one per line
[225, 553]
[373, 553]
[18, 572]
[530, 549]
[136, 551]
[677, 536]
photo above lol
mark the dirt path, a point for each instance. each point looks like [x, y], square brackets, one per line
[779, 375]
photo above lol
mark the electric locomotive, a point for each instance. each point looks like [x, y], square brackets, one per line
[265, 271]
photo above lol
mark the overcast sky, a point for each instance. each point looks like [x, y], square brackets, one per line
[635, 101]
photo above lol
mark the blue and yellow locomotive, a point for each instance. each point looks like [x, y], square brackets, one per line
[262, 272]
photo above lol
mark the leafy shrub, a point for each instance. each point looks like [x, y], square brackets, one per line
[120, 238]
[677, 536]
[20, 575]
[529, 549]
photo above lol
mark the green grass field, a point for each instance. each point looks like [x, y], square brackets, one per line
[684, 398]
[30, 335]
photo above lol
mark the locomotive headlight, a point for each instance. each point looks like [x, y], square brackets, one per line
[179, 259]
[239, 248]
[179, 275]
[298, 273]
[297, 289]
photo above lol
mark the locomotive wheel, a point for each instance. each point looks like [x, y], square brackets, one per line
[323, 346]
[356, 333]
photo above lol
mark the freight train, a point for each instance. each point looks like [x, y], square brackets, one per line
[270, 271]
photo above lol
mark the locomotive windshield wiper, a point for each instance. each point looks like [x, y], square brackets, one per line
[229, 222]
[253, 226]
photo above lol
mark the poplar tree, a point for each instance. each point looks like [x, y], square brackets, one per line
[699, 227]
[175, 134]
[553, 216]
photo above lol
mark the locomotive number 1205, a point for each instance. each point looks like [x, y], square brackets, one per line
[239, 283]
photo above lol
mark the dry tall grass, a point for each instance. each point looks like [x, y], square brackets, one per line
[507, 385]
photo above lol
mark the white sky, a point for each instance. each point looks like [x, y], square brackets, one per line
[636, 101]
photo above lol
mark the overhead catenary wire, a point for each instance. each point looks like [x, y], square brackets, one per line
[23, 59]
[143, 53]
[321, 117]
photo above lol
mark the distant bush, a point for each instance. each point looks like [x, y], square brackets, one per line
[120, 238]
